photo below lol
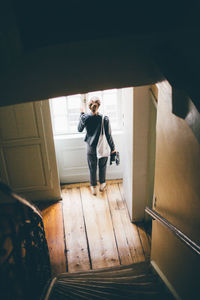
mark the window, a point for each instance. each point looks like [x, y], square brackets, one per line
[66, 110]
[65, 114]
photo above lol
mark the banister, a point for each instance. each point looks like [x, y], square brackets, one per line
[6, 190]
[24, 258]
[27, 203]
[183, 237]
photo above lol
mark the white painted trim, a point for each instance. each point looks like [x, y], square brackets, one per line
[73, 168]
[84, 177]
[165, 280]
[73, 148]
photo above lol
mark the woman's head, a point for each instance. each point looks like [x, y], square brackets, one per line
[94, 104]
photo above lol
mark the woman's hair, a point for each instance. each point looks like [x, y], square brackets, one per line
[94, 103]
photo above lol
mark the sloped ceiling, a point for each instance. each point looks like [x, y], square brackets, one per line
[54, 48]
[44, 23]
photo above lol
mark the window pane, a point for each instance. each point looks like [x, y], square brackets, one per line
[110, 99]
[110, 104]
[66, 110]
[60, 124]
[73, 128]
[59, 106]
[97, 94]
[73, 112]
[74, 101]
[73, 120]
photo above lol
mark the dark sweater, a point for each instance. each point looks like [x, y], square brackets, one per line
[92, 123]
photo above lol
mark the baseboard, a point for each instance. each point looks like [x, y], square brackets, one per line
[87, 183]
[165, 280]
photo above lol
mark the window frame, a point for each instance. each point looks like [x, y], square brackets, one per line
[84, 103]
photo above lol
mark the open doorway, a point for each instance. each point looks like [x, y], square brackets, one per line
[132, 114]
[69, 143]
[98, 232]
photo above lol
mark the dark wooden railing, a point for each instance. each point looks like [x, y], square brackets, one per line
[24, 255]
[183, 237]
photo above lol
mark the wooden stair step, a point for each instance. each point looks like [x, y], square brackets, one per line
[136, 281]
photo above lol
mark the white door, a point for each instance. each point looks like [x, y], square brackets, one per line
[27, 154]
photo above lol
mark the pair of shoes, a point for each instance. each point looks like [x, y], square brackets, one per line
[94, 190]
[102, 186]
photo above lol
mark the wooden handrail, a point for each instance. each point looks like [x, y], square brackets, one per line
[27, 203]
[5, 189]
[183, 237]
[24, 260]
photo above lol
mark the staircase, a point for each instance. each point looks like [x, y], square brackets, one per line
[136, 281]
[25, 265]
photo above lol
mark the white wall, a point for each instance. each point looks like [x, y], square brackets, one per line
[139, 150]
[127, 153]
[177, 192]
[144, 121]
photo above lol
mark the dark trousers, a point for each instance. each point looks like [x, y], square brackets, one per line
[92, 164]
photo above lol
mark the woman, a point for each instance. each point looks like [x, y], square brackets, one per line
[92, 122]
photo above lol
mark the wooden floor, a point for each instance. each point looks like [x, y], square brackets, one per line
[90, 232]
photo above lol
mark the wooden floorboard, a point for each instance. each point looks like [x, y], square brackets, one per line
[90, 232]
[144, 241]
[131, 231]
[53, 225]
[114, 197]
[75, 235]
[103, 249]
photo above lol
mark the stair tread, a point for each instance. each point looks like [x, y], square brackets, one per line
[136, 281]
[112, 271]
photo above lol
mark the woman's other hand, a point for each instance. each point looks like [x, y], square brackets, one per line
[114, 151]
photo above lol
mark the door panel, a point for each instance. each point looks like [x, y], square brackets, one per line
[27, 154]
[18, 161]
[18, 121]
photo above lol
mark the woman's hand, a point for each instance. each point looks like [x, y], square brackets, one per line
[82, 110]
